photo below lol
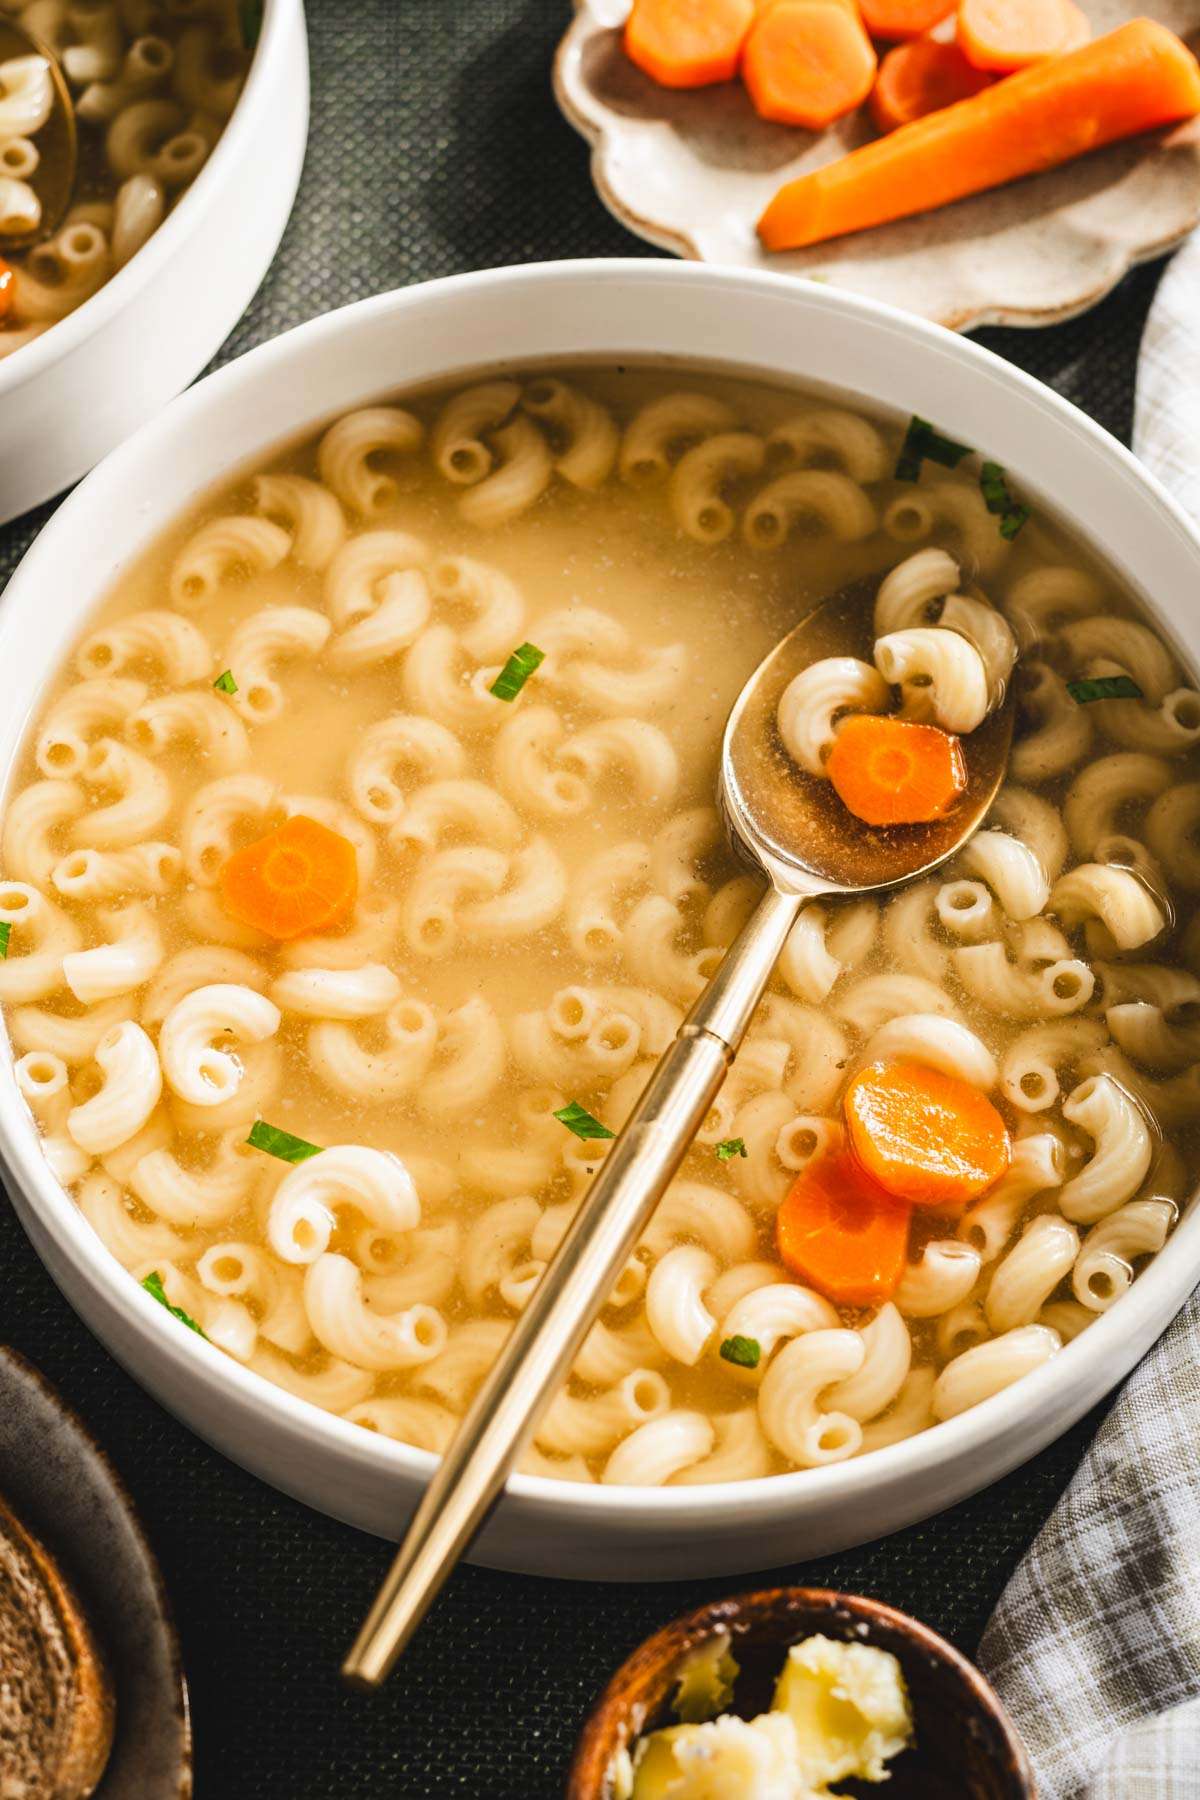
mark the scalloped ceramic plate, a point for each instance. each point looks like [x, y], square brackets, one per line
[692, 171]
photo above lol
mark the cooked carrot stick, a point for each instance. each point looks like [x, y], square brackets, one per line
[919, 78]
[7, 289]
[301, 878]
[892, 19]
[688, 43]
[1134, 78]
[806, 62]
[889, 772]
[1003, 35]
[840, 1232]
[926, 1137]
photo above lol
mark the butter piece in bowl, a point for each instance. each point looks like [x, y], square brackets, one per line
[839, 1710]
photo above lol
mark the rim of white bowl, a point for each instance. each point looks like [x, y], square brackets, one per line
[28, 363]
[947, 1441]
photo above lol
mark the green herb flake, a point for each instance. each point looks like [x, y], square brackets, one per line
[516, 671]
[997, 498]
[282, 1144]
[578, 1119]
[225, 684]
[5, 934]
[154, 1287]
[1104, 687]
[923, 444]
[994, 488]
[731, 1147]
[250, 18]
[745, 1352]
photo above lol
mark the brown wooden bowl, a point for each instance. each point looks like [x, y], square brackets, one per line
[966, 1747]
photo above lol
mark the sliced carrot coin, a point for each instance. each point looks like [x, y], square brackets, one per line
[919, 78]
[688, 43]
[301, 878]
[900, 19]
[892, 772]
[843, 1234]
[1003, 35]
[925, 1137]
[8, 289]
[807, 62]
[763, 7]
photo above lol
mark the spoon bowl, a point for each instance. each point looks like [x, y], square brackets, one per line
[790, 823]
[53, 180]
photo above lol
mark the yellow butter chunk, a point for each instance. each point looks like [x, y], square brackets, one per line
[849, 1707]
[726, 1759]
[839, 1710]
[706, 1677]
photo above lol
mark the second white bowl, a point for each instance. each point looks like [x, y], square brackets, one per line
[95, 376]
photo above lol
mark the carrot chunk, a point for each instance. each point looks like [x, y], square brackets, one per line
[762, 7]
[843, 1234]
[926, 1137]
[919, 78]
[891, 772]
[688, 43]
[301, 878]
[1003, 35]
[807, 62]
[891, 19]
[1130, 80]
[8, 287]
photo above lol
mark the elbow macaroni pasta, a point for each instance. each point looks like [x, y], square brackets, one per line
[544, 888]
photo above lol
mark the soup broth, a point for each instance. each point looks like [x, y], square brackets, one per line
[543, 890]
[153, 83]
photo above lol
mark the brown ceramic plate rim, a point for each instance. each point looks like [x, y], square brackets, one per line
[88, 1446]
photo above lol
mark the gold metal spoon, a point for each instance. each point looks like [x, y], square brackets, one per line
[791, 828]
[53, 181]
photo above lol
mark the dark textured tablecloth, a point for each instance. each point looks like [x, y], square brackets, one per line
[436, 147]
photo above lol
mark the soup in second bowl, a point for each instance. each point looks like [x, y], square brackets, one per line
[153, 84]
[364, 859]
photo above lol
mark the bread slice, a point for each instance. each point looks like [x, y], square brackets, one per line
[56, 1700]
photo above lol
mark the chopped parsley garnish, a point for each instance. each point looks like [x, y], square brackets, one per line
[1104, 687]
[282, 1144]
[516, 671]
[745, 1352]
[999, 500]
[578, 1119]
[225, 684]
[154, 1287]
[5, 934]
[923, 444]
[250, 18]
[731, 1147]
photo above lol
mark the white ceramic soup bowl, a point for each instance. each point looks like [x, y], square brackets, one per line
[95, 376]
[759, 325]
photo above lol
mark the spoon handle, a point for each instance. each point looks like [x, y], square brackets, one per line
[535, 1358]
